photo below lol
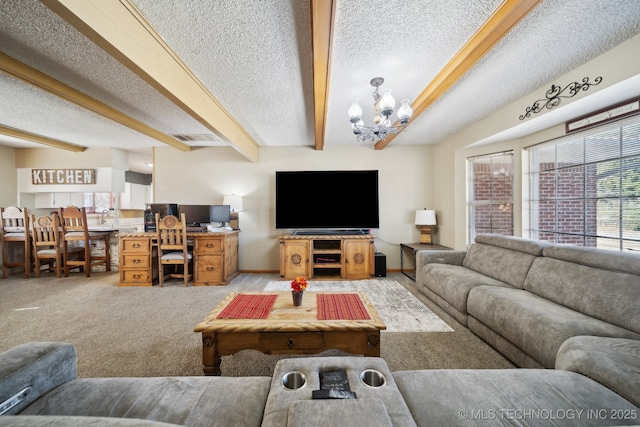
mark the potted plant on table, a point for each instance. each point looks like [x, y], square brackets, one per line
[298, 285]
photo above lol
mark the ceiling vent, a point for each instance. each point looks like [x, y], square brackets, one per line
[202, 137]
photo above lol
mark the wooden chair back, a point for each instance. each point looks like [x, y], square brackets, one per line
[172, 247]
[45, 232]
[74, 220]
[14, 219]
[172, 233]
[14, 227]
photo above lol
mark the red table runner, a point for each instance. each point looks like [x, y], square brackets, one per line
[341, 307]
[248, 306]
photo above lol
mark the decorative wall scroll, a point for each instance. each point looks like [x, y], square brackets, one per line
[615, 112]
[555, 94]
[63, 176]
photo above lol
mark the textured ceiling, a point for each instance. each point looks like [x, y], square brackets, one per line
[256, 59]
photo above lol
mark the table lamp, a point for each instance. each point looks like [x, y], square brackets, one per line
[235, 204]
[425, 219]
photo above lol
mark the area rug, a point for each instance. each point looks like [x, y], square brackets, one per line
[398, 308]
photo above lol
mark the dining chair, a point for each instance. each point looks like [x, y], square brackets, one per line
[47, 248]
[75, 231]
[15, 228]
[172, 247]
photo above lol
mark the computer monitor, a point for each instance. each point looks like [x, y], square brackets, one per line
[220, 213]
[195, 215]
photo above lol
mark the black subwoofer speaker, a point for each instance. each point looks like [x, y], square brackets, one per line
[380, 264]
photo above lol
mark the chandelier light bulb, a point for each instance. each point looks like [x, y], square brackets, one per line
[387, 103]
[404, 112]
[383, 126]
[355, 111]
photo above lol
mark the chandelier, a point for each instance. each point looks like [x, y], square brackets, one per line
[383, 126]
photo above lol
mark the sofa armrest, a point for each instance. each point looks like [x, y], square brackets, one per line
[31, 370]
[424, 257]
[613, 362]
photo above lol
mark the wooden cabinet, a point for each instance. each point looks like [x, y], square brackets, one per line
[136, 260]
[59, 200]
[358, 259]
[215, 258]
[342, 256]
[294, 258]
[135, 196]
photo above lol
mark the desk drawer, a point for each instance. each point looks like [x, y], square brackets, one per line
[136, 276]
[134, 261]
[292, 341]
[209, 268]
[135, 245]
[204, 246]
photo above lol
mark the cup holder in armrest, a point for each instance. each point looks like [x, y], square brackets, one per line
[294, 380]
[372, 378]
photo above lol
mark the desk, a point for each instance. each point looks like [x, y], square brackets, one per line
[215, 258]
[415, 247]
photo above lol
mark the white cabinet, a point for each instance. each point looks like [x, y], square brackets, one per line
[135, 196]
[59, 200]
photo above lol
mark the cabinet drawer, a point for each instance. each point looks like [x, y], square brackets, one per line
[135, 245]
[209, 268]
[203, 246]
[136, 276]
[134, 261]
[292, 341]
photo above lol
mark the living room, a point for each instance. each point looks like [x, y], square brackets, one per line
[120, 332]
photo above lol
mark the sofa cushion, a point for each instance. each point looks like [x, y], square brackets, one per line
[520, 244]
[503, 263]
[36, 366]
[338, 412]
[523, 397]
[453, 283]
[535, 325]
[73, 421]
[607, 295]
[192, 401]
[613, 362]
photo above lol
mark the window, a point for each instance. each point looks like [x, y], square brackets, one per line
[99, 202]
[585, 188]
[490, 197]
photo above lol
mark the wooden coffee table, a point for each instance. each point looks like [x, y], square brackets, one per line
[287, 330]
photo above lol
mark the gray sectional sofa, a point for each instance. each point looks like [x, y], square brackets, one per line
[38, 387]
[545, 305]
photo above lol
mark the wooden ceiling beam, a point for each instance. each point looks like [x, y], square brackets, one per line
[505, 17]
[39, 139]
[120, 29]
[322, 23]
[38, 79]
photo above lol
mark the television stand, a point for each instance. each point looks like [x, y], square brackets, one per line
[327, 256]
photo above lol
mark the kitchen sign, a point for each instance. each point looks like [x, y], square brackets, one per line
[63, 176]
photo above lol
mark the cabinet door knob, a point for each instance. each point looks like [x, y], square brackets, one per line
[291, 343]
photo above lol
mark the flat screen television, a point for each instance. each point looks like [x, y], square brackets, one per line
[195, 215]
[220, 214]
[340, 200]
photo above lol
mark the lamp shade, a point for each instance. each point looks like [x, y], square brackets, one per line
[425, 217]
[234, 202]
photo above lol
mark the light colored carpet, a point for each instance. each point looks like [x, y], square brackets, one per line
[134, 332]
[398, 308]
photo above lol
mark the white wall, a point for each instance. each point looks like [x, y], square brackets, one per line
[9, 187]
[205, 175]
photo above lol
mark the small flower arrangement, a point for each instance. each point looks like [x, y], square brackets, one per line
[299, 284]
